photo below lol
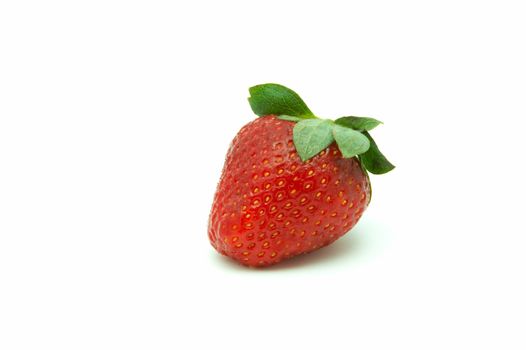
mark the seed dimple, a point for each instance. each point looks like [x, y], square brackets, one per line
[351, 204]
[328, 198]
[279, 216]
[302, 234]
[293, 192]
[248, 225]
[293, 167]
[310, 173]
[235, 239]
[265, 161]
[255, 176]
[250, 236]
[261, 236]
[314, 233]
[323, 181]
[238, 245]
[340, 194]
[273, 255]
[303, 200]
[260, 254]
[337, 182]
[266, 244]
[334, 214]
[267, 198]
[256, 202]
[317, 223]
[344, 202]
[280, 196]
[305, 219]
[274, 234]
[280, 171]
[245, 253]
[266, 173]
[322, 153]
[318, 195]
[288, 205]
[287, 223]
[234, 227]
[279, 159]
[247, 215]
[273, 209]
[272, 226]
[281, 182]
[255, 190]
[324, 165]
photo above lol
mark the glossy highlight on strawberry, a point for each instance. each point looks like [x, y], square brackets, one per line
[292, 182]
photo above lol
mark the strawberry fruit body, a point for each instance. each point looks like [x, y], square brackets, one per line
[286, 187]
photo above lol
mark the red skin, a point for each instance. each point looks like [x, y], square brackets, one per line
[270, 206]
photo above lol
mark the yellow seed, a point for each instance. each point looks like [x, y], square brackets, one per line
[304, 220]
[317, 222]
[308, 185]
[267, 186]
[322, 153]
[310, 173]
[292, 192]
[245, 253]
[239, 245]
[287, 223]
[293, 167]
[337, 182]
[323, 181]
[272, 226]
[303, 200]
[260, 254]
[344, 202]
[318, 195]
[266, 173]
[334, 214]
[273, 254]
[265, 161]
[288, 205]
[255, 176]
[266, 245]
[328, 198]
[351, 204]
[267, 198]
[255, 190]
[247, 215]
[256, 202]
[340, 194]
[279, 216]
[274, 234]
[324, 165]
[302, 233]
[234, 239]
[281, 182]
[280, 171]
[314, 233]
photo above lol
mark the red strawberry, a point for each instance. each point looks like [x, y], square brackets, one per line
[287, 188]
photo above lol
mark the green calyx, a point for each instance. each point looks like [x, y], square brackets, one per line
[312, 135]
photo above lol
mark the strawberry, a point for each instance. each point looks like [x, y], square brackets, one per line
[292, 182]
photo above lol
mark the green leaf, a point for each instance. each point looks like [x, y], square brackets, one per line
[373, 160]
[358, 123]
[312, 136]
[289, 118]
[350, 142]
[277, 99]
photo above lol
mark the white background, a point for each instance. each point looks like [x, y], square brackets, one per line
[115, 117]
